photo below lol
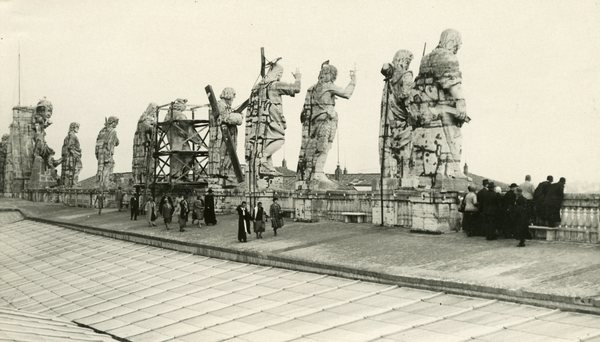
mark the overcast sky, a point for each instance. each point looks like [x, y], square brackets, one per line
[531, 70]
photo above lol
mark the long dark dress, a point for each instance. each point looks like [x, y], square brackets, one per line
[489, 213]
[521, 219]
[539, 202]
[553, 202]
[243, 223]
[209, 209]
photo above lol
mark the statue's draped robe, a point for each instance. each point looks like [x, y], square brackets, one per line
[71, 160]
[105, 147]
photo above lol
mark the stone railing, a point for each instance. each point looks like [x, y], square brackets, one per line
[580, 218]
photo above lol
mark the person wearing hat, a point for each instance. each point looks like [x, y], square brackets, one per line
[521, 217]
[508, 206]
[210, 218]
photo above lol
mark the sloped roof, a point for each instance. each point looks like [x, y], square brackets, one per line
[18, 325]
[121, 177]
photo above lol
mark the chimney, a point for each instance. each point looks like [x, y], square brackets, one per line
[466, 169]
[345, 170]
[284, 163]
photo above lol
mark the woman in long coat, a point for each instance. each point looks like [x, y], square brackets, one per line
[276, 216]
[166, 209]
[209, 208]
[243, 221]
[150, 209]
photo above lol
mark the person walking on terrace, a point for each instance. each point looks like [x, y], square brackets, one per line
[276, 216]
[184, 210]
[150, 209]
[243, 221]
[209, 209]
[259, 217]
[134, 206]
[521, 217]
[166, 209]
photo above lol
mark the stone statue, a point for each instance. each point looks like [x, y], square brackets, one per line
[319, 123]
[219, 159]
[41, 120]
[265, 123]
[396, 123]
[143, 145]
[439, 106]
[71, 157]
[180, 132]
[105, 147]
[3, 160]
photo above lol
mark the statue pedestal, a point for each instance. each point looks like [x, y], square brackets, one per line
[40, 178]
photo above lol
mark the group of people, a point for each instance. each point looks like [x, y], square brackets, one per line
[259, 217]
[180, 208]
[491, 213]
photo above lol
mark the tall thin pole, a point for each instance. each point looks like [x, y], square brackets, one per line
[19, 62]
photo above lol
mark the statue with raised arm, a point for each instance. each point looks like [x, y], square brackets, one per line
[106, 142]
[41, 120]
[180, 133]
[319, 123]
[219, 157]
[265, 123]
[143, 145]
[71, 157]
[396, 122]
[439, 105]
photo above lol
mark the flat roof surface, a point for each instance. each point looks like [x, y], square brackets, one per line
[144, 293]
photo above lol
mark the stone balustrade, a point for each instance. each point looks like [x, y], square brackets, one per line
[418, 210]
[580, 218]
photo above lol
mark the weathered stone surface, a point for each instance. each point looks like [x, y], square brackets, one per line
[71, 157]
[3, 152]
[265, 123]
[180, 131]
[219, 162]
[106, 142]
[319, 125]
[19, 154]
[143, 145]
[420, 134]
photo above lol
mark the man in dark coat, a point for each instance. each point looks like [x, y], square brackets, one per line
[508, 203]
[184, 211]
[243, 221]
[553, 201]
[209, 209]
[489, 211]
[521, 217]
[539, 199]
[134, 206]
[477, 229]
[276, 216]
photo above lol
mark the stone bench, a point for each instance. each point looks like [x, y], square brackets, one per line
[354, 217]
[288, 213]
[543, 232]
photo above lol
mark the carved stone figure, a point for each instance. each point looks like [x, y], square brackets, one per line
[143, 145]
[71, 157]
[3, 160]
[41, 120]
[106, 142]
[319, 123]
[439, 106]
[219, 158]
[180, 132]
[396, 123]
[265, 123]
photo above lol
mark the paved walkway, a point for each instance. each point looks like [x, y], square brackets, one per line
[547, 272]
[142, 293]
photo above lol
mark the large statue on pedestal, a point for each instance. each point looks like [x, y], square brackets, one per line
[71, 157]
[396, 124]
[180, 132]
[265, 123]
[220, 161]
[143, 145]
[439, 106]
[105, 147]
[41, 120]
[319, 123]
